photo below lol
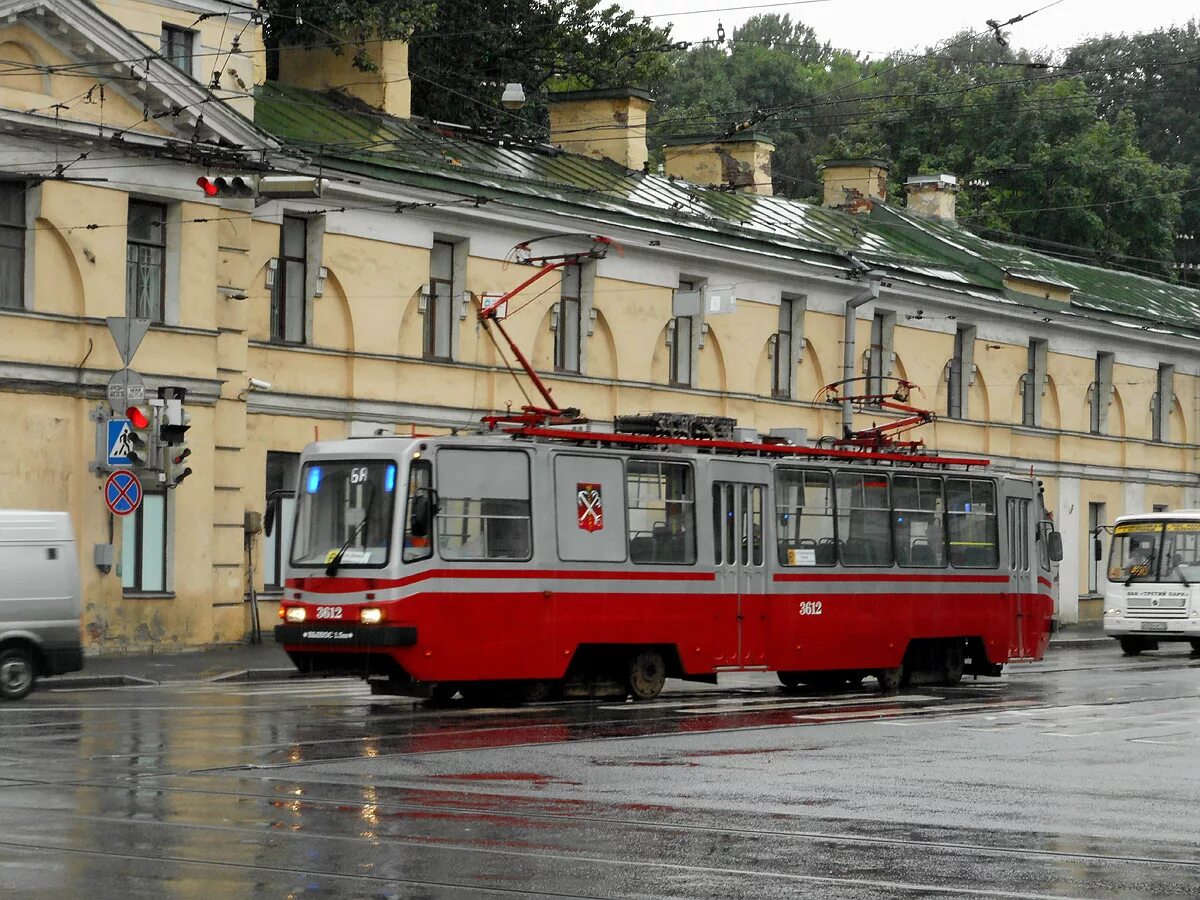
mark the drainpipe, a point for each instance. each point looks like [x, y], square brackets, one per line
[869, 293]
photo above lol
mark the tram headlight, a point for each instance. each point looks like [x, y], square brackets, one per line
[370, 615]
[294, 614]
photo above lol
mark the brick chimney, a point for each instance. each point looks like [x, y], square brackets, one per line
[607, 123]
[387, 88]
[741, 162]
[854, 185]
[932, 196]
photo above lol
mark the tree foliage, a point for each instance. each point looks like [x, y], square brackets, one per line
[1090, 158]
[1155, 78]
[463, 52]
[770, 63]
[1041, 154]
[1037, 159]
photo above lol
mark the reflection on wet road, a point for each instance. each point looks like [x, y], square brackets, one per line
[1071, 778]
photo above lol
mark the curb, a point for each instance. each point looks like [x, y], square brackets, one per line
[82, 682]
[77, 682]
[1083, 643]
[255, 675]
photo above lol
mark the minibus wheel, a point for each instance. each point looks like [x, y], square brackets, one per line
[16, 673]
[1132, 646]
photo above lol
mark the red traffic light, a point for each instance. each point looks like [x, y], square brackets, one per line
[206, 184]
[137, 418]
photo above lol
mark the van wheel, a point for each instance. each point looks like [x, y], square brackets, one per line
[647, 675]
[16, 674]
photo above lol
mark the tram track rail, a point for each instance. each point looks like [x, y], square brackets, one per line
[662, 867]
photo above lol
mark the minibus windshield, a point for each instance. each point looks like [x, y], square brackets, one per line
[1155, 552]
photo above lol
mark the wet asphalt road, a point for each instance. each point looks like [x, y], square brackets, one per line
[1075, 777]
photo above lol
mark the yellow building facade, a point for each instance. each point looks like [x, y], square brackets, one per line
[353, 312]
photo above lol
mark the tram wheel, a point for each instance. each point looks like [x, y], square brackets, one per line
[541, 691]
[890, 680]
[647, 675]
[480, 693]
[790, 680]
[441, 694]
[952, 665]
[823, 681]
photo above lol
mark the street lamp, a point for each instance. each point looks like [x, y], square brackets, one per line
[513, 96]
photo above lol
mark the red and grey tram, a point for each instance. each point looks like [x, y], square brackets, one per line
[543, 560]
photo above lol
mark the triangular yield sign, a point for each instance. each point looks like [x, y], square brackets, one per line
[127, 334]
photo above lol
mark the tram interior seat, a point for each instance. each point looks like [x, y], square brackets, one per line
[641, 548]
[922, 554]
[827, 551]
[659, 546]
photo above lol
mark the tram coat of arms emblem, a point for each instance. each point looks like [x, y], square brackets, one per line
[590, 506]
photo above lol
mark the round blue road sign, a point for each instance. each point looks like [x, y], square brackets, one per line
[122, 492]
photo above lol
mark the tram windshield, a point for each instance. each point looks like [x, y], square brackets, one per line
[345, 513]
[1155, 552]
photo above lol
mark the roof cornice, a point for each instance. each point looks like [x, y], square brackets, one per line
[90, 32]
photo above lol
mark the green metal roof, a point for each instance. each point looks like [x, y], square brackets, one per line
[1150, 300]
[345, 135]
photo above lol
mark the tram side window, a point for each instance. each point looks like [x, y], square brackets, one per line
[864, 519]
[917, 521]
[971, 523]
[662, 512]
[420, 482]
[483, 505]
[804, 512]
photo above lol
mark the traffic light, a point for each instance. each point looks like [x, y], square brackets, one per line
[172, 435]
[175, 467]
[140, 451]
[228, 186]
[268, 187]
[290, 187]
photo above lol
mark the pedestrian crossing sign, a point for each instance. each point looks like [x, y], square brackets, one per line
[119, 442]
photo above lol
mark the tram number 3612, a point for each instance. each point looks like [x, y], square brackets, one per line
[810, 608]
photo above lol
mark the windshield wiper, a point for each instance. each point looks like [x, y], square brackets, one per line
[332, 567]
[1133, 570]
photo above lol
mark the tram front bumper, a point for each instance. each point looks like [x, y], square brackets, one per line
[335, 636]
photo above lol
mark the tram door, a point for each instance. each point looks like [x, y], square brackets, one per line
[739, 551]
[1020, 524]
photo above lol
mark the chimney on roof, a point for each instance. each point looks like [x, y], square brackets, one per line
[387, 87]
[741, 162]
[608, 123]
[932, 196]
[854, 185]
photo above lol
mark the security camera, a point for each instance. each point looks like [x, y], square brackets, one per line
[259, 385]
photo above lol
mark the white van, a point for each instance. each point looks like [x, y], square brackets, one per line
[39, 599]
